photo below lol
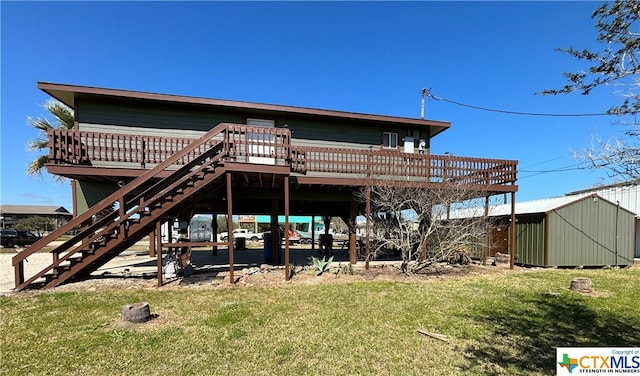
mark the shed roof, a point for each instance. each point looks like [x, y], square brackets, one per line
[530, 207]
[545, 205]
[34, 209]
[68, 94]
[536, 206]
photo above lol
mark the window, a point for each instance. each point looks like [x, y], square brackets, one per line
[389, 140]
[261, 122]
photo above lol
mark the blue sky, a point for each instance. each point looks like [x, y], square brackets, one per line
[370, 57]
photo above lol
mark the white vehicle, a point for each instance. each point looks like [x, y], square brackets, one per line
[242, 233]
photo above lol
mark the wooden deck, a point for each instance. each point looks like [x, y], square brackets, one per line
[74, 153]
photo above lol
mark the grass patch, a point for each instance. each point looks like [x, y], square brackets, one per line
[496, 324]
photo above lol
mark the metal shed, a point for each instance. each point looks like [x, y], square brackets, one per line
[572, 231]
[627, 194]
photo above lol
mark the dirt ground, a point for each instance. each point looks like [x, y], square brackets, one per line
[136, 270]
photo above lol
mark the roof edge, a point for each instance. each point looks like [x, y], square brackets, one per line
[615, 185]
[56, 90]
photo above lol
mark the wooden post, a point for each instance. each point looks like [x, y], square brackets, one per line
[486, 246]
[512, 234]
[159, 237]
[19, 273]
[368, 230]
[152, 244]
[313, 232]
[352, 233]
[214, 232]
[286, 226]
[230, 227]
[159, 252]
[275, 233]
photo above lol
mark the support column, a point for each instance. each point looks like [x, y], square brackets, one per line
[353, 249]
[159, 237]
[326, 243]
[230, 227]
[487, 246]
[286, 226]
[159, 252]
[313, 232]
[152, 244]
[214, 233]
[512, 231]
[368, 229]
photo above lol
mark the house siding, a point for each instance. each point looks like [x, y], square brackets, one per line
[89, 194]
[193, 121]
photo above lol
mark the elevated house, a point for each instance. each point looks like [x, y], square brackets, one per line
[150, 158]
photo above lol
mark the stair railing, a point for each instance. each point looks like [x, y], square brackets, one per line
[92, 232]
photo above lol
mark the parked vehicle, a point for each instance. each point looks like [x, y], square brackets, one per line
[242, 233]
[294, 236]
[305, 237]
[12, 238]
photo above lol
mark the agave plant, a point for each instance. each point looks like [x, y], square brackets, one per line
[321, 265]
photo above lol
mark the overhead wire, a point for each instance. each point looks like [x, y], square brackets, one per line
[430, 95]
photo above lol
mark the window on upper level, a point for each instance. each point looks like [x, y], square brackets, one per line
[389, 140]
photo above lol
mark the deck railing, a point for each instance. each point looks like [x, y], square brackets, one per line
[245, 144]
[392, 164]
[261, 145]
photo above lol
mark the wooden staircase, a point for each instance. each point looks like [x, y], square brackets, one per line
[137, 208]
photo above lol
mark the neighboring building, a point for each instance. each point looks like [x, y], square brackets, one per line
[569, 231]
[627, 194]
[12, 214]
[150, 158]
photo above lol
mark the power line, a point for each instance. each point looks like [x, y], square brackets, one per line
[433, 97]
[547, 161]
[559, 169]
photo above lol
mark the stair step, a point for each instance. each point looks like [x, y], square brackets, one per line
[37, 285]
[91, 255]
[60, 269]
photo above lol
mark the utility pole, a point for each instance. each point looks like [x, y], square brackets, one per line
[423, 93]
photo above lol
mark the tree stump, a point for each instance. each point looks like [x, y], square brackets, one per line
[581, 284]
[138, 312]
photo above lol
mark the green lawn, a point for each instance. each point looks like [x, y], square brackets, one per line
[506, 323]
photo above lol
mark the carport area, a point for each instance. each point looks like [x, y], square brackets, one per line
[208, 266]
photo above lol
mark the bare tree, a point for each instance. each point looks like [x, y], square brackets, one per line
[619, 157]
[616, 64]
[443, 222]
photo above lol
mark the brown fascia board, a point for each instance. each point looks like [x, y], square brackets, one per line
[67, 93]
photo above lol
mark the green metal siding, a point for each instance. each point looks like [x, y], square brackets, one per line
[590, 232]
[89, 194]
[530, 240]
[152, 117]
[123, 117]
